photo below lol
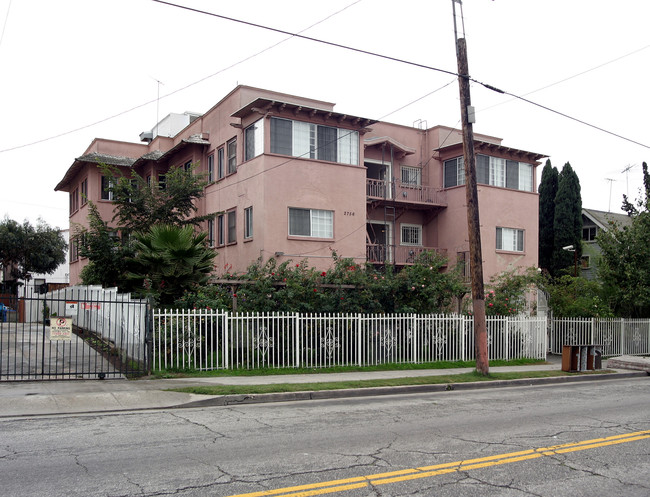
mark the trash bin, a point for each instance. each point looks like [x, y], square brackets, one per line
[577, 358]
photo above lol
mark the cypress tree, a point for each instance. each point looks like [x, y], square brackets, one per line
[568, 220]
[547, 193]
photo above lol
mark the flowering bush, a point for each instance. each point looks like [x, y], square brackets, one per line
[346, 287]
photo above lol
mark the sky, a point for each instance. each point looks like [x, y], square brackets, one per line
[74, 70]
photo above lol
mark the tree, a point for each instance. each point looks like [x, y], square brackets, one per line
[25, 249]
[625, 265]
[107, 254]
[567, 222]
[138, 206]
[547, 192]
[169, 261]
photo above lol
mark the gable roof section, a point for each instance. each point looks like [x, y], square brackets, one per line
[602, 218]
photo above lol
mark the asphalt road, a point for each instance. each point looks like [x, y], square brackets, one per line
[595, 439]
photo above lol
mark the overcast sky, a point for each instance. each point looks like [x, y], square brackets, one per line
[73, 70]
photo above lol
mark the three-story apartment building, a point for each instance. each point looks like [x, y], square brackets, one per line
[291, 178]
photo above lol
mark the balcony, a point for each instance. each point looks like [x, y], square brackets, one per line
[397, 254]
[399, 192]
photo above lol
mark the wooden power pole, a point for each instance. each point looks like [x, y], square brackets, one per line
[471, 194]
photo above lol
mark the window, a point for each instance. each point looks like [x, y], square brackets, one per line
[162, 181]
[187, 166]
[74, 249]
[210, 232]
[311, 222]
[221, 238]
[510, 239]
[232, 226]
[454, 172]
[84, 192]
[220, 165]
[313, 141]
[211, 167]
[248, 223]
[497, 172]
[107, 184]
[411, 176]
[254, 138]
[149, 180]
[411, 234]
[74, 200]
[491, 171]
[589, 233]
[232, 156]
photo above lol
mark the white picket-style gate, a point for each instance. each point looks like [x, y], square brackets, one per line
[208, 339]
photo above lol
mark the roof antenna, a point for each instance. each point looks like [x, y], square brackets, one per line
[609, 206]
[157, 105]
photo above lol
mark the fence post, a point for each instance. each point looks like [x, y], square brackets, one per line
[359, 355]
[461, 321]
[593, 325]
[507, 338]
[622, 337]
[296, 331]
[225, 322]
[414, 341]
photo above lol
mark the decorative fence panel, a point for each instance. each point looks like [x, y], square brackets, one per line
[206, 339]
[616, 336]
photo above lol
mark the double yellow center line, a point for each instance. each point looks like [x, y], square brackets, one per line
[441, 469]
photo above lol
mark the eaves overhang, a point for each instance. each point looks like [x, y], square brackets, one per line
[487, 147]
[158, 155]
[266, 106]
[387, 140]
[92, 158]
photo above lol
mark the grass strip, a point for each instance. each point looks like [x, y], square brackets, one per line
[388, 382]
[193, 373]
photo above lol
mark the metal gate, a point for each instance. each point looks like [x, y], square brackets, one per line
[75, 333]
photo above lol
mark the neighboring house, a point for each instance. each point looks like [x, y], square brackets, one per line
[593, 222]
[292, 178]
[42, 283]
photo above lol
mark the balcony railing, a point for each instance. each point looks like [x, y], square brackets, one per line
[397, 254]
[400, 192]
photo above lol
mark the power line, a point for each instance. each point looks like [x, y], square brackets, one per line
[113, 116]
[395, 59]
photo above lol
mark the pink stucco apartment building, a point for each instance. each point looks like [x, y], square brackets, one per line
[292, 178]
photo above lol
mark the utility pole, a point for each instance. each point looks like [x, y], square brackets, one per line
[471, 195]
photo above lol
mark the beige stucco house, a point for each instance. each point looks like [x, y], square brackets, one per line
[292, 178]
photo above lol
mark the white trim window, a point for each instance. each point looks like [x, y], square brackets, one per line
[210, 232]
[411, 234]
[220, 163]
[497, 172]
[411, 176]
[314, 141]
[211, 167]
[248, 223]
[232, 155]
[107, 185]
[510, 239]
[313, 223]
[232, 226]
[254, 140]
[454, 172]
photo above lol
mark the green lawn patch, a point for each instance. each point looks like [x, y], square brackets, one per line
[338, 385]
[193, 373]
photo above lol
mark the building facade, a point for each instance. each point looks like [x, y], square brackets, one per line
[291, 178]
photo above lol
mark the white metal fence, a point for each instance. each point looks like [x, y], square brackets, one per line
[206, 339]
[616, 336]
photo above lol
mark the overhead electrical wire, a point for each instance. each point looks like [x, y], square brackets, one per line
[338, 45]
[395, 59]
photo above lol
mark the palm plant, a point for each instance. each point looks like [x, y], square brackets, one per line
[170, 260]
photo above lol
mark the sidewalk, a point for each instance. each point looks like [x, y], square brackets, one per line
[27, 398]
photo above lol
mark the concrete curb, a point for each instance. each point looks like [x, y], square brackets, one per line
[230, 400]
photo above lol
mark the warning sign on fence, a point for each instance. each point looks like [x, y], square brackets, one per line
[61, 329]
